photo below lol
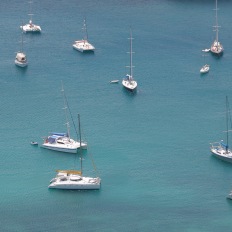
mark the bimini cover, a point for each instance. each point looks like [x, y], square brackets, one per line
[60, 134]
[51, 139]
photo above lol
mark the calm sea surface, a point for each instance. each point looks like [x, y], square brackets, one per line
[151, 148]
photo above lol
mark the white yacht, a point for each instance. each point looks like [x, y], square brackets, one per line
[84, 45]
[205, 68]
[62, 141]
[220, 149]
[30, 27]
[216, 46]
[21, 59]
[128, 82]
[73, 179]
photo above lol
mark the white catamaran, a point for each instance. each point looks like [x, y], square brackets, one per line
[84, 45]
[216, 46]
[128, 82]
[220, 149]
[30, 27]
[73, 179]
[62, 141]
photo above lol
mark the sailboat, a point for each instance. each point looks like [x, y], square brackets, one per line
[128, 82]
[220, 149]
[84, 45]
[74, 179]
[205, 68]
[216, 46]
[21, 59]
[61, 141]
[30, 27]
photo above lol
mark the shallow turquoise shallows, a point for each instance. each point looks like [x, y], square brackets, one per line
[151, 147]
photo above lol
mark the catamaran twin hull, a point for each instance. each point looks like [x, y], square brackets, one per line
[83, 46]
[63, 148]
[31, 28]
[85, 183]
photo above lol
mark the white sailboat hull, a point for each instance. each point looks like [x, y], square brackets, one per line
[21, 64]
[218, 150]
[216, 48]
[205, 69]
[84, 183]
[130, 85]
[222, 155]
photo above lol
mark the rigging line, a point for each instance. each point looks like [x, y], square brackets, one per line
[70, 114]
[229, 113]
[93, 163]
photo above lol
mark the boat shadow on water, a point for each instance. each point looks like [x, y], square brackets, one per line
[21, 71]
[217, 56]
[130, 92]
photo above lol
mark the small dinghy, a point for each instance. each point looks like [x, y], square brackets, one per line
[34, 143]
[114, 81]
[206, 50]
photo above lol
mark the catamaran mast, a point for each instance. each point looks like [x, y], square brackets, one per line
[30, 11]
[79, 125]
[227, 127]
[85, 30]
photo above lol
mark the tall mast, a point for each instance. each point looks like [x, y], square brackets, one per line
[227, 127]
[131, 60]
[22, 41]
[79, 125]
[30, 11]
[85, 30]
[131, 69]
[216, 26]
[66, 113]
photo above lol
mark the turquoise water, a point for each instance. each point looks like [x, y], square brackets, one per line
[151, 148]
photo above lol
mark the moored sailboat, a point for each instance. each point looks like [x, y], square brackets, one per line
[21, 59]
[84, 45]
[62, 141]
[74, 179]
[128, 82]
[220, 149]
[216, 46]
[30, 27]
